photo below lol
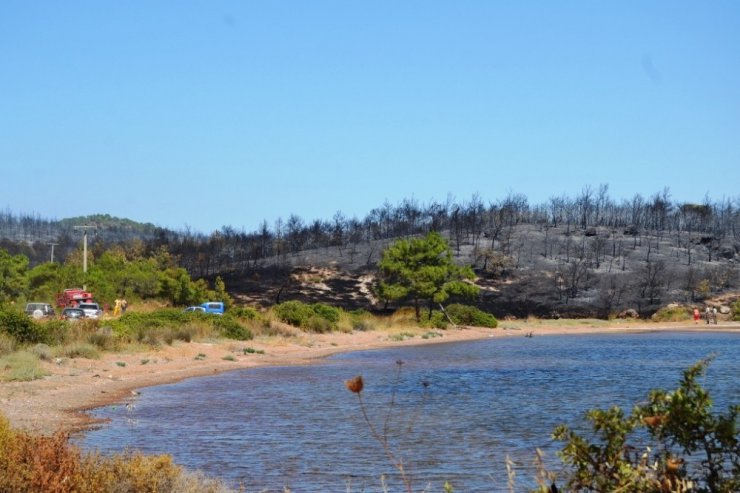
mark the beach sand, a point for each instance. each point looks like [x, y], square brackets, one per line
[58, 402]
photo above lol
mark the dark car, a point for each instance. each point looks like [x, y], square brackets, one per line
[73, 313]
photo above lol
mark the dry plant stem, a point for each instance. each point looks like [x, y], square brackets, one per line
[510, 474]
[383, 440]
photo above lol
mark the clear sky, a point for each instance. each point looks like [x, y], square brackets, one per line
[202, 114]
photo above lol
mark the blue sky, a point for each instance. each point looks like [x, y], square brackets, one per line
[211, 113]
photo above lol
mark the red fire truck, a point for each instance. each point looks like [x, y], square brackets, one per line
[73, 297]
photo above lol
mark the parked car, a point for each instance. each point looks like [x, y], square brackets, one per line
[198, 309]
[92, 310]
[216, 307]
[73, 314]
[39, 310]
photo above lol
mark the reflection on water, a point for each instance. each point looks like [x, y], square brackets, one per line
[299, 427]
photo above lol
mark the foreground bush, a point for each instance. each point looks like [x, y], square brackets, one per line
[31, 463]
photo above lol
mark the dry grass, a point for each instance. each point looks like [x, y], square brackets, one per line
[37, 463]
[21, 366]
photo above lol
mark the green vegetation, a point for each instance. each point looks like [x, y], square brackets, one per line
[317, 317]
[673, 313]
[113, 273]
[251, 350]
[470, 315]
[422, 270]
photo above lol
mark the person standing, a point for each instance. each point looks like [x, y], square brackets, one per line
[696, 315]
[714, 315]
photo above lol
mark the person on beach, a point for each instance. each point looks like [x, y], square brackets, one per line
[714, 315]
[696, 315]
[708, 314]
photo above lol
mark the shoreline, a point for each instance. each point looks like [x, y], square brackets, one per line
[62, 400]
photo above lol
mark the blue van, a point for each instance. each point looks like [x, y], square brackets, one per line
[216, 307]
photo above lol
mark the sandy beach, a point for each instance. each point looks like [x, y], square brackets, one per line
[58, 402]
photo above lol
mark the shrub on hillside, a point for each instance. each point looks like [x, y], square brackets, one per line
[735, 307]
[470, 315]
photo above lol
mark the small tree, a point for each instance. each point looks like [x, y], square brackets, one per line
[422, 269]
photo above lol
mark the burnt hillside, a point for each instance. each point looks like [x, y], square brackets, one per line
[586, 255]
[540, 270]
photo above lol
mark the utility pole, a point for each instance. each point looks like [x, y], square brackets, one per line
[52, 251]
[84, 243]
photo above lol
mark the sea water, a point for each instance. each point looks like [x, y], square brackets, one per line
[452, 412]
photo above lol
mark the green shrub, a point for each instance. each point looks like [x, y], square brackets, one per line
[246, 312]
[329, 313]
[470, 315]
[22, 328]
[57, 331]
[436, 320]
[315, 318]
[672, 313]
[735, 307]
[231, 328]
[293, 312]
[401, 336]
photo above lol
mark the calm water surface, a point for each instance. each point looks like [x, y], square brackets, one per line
[299, 427]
